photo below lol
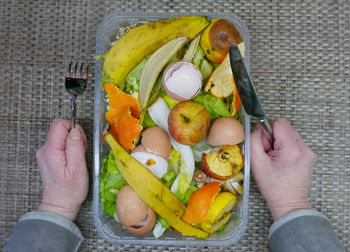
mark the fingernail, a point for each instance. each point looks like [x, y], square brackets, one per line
[75, 135]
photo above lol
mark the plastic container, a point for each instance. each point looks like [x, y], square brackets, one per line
[106, 226]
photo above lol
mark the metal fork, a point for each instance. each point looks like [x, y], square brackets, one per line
[75, 83]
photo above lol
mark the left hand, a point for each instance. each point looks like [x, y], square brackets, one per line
[63, 169]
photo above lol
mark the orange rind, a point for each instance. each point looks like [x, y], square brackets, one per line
[221, 84]
[122, 116]
[200, 203]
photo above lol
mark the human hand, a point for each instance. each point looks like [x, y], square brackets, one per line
[282, 173]
[63, 169]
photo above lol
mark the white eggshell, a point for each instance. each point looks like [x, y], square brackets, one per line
[182, 81]
[156, 164]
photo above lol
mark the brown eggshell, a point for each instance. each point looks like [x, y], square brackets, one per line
[225, 131]
[150, 221]
[157, 141]
[140, 148]
[133, 213]
[130, 208]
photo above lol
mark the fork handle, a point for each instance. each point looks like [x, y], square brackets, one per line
[72, 116]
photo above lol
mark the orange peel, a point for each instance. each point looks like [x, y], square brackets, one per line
[128, 129]
[200, 203]
[122, 116]
[118, 98]
[221, 84]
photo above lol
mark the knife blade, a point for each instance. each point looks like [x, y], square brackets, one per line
[247, 92]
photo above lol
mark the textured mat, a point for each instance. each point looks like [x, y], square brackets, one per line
[300, 62]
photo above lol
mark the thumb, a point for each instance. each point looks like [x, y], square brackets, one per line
[258, 155]
[75, 150]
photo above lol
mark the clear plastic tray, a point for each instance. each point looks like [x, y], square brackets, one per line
[106, 226]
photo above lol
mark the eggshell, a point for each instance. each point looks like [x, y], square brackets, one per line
[139, 148]
[154, 163]
[182, 80]
[225, 131]
[157, 141]
[133, 213]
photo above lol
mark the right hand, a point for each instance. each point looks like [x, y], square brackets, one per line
[283, 173]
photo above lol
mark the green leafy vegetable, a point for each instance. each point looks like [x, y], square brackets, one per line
[162, 221]
[105, 78]
[132, 81]
[174, 162]
[169, 178]
[203, 65]
[147, 121]
[170, 101]
[215, 106]
[111, 181]
[185, 197]
[97, 57]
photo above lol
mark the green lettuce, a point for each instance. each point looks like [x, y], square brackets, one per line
[185, 197]
[147, 121]
[174, 162]
[105, 78]
[203, 65]
[170, 101]
[111, 181]
[132, 80]
[215, 106]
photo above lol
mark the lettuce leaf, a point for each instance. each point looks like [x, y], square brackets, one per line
[147, 121]
[215, 106]
[105, 78]
[111, 181]
[203, 65]
[185, 197]
[132, 80]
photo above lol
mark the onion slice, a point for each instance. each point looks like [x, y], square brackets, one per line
[159, 112]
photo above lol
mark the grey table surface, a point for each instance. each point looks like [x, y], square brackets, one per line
[300, 63]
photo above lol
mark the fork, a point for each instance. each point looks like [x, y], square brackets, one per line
[75, 83]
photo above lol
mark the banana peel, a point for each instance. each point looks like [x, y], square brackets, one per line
[135, 45]
[154, 66]
[152, 191]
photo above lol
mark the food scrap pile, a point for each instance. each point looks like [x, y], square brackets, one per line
[175, 128]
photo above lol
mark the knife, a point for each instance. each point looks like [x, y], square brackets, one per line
[246, 91]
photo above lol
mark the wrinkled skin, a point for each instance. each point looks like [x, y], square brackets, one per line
[283, 173]
[63, 169]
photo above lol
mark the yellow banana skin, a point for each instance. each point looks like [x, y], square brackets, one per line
[152, 191]
[135, 45]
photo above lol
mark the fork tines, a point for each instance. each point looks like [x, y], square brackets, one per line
[77, 70]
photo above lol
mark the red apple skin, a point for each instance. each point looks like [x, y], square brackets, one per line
[211, 173]
[188, 122]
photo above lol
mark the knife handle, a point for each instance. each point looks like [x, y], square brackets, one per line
[268, 130]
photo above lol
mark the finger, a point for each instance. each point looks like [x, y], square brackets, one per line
[57, 135]
[83, 135]
[258, 150]
[286, 137]
[263, 137]
[75, 151]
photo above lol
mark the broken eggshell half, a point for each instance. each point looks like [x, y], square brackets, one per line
[154, 163]
[182, 80]
[133, 213]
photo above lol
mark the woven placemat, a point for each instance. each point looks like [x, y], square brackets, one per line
[300, 58]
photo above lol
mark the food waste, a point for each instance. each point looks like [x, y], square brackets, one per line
[175, 128]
